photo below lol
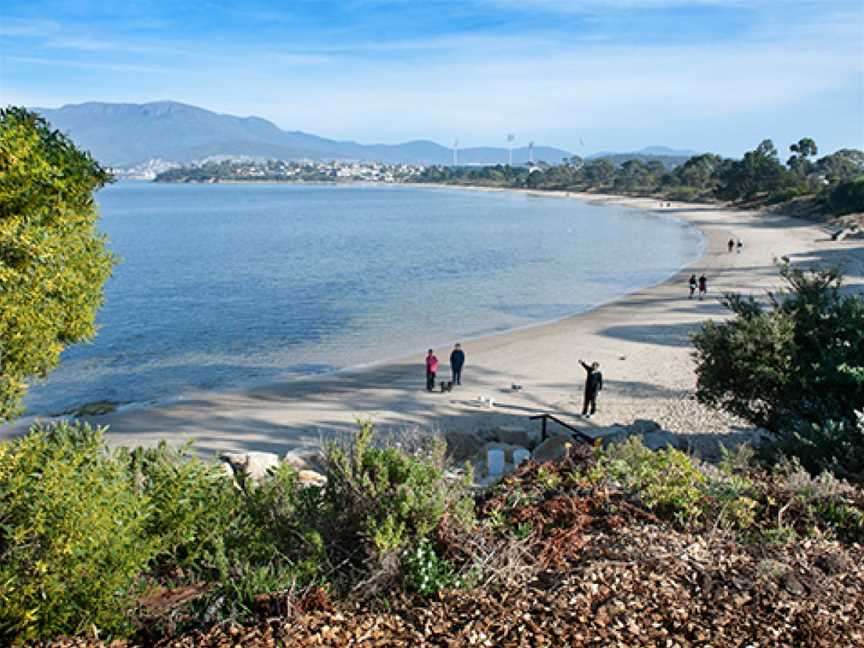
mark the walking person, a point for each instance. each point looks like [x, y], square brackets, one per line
[731, 245]
[431, 370]
[692, 284]
[739, 245]
[593, 385]
[457, 361]
[703, 286]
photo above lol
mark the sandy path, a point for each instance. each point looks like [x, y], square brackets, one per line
[641, 342]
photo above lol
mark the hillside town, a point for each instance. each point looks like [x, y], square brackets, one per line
[258, 170]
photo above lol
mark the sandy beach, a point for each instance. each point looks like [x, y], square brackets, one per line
[641, 342]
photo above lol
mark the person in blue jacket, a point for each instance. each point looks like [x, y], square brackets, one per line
[457, 361]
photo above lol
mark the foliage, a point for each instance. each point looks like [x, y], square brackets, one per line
[386, 499]
[796, 360]
[758, 178]
[192, 505]
[665, 481]
[73, 539]
[53, 264]
[425, 571]
[847, 196]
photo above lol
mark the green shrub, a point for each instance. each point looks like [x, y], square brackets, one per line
[73, 538]
[666, 481]
[191, 503]
[426, 572]
[385, 499]
[846, 197]
[791, 367]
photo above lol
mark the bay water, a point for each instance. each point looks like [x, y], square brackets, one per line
[231, 285]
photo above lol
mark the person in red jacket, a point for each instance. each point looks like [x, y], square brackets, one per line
[431, 370]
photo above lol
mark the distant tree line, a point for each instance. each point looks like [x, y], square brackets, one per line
[833, 184]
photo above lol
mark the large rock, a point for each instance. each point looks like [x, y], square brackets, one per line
[517, 435]
[311, 478]
[644, 426]
[554, 448]
[462, 445]
[304, 459]
[251, 466]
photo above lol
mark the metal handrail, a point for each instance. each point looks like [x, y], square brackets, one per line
[546, 417]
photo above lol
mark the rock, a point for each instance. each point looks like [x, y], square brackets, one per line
[303, 459]
[517, 435]
[553, 449]
[461, 445]
[612, 434]
[311, 478]
[254, 466]
[643, 426]
[95, 408]
[659, 440]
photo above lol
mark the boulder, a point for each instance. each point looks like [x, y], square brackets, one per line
[461, 445]
[303, 459]
[612, 434]
[311, 478]
[644, 426]
[252, 466]
[659, 440]
[554, 448]
[517, 435]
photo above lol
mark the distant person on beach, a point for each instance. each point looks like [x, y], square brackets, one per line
[692, 283]
[457, 361]
[739, 245]
[593, 385]
[431, 370]
[703, 286]
[731, 245]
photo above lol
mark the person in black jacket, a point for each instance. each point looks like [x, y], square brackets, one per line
[593, 384]
[457, 361]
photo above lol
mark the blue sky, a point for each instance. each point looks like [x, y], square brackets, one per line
[586, 75]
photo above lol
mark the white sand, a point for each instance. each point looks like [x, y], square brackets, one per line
[640, 341]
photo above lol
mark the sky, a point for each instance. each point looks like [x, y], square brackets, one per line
[584, 75]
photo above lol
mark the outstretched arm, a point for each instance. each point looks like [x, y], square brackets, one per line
[585, 366]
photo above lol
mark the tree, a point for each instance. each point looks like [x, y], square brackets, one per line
[759, 172]
[791, 364]
[845, 164]
[53, 263]
[599, 172]
[799, 163]
[699, 171]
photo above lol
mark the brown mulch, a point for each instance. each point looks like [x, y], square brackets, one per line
[606, 573]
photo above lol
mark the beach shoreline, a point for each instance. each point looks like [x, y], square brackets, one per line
[640, 340]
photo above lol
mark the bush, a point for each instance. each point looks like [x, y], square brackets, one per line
[384, 500]
[426, 572]
[791, 367]
[666, 481]
[73, 538]
[192, 503]
[846, 197]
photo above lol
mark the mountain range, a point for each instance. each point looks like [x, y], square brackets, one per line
[122, 135]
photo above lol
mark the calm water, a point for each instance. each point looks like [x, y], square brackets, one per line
[229, 285]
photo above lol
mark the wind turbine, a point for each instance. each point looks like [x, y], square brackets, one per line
[510, 138]
[456, 152]
[531, 152]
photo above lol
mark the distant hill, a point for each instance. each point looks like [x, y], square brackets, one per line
[122, 135]
[669, 157]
